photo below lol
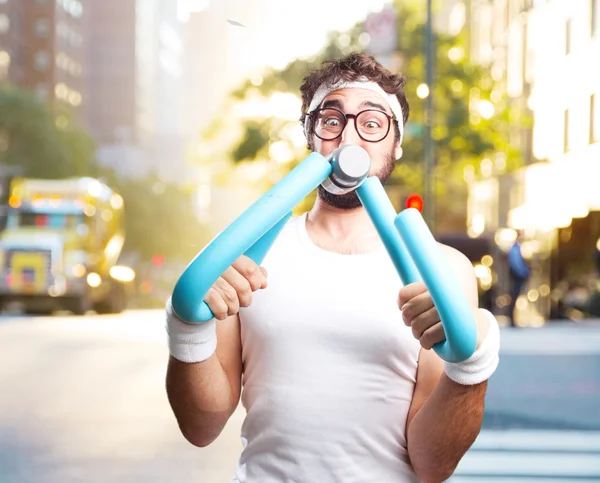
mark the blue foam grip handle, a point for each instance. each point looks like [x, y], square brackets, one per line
[259, 250]
[382, 213]
[252, 233]
[449, 299]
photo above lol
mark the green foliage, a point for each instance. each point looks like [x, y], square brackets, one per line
[463, 137]
[46, 143]
[158, 218]
[42, 140]
[255, 137]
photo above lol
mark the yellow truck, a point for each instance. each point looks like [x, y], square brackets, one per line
[61, 245]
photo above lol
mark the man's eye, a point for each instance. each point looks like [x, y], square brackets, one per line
[372, 125]
[332, 122]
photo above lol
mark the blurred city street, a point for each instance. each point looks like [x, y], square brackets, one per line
[83, 400]
[135, 132]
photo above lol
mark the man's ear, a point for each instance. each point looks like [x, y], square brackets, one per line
[398, 151]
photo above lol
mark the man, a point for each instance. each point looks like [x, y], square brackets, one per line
[597, 255]
[519, 271]
[336, 387]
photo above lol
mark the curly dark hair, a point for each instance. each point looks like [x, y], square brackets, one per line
[353, 67]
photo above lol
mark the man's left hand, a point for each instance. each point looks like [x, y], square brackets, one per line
[420, 314]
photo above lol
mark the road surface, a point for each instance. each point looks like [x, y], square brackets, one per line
[82, 399]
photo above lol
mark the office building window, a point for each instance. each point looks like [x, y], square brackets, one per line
[526, 5]
[42, 91]
[568, 33]
[4, 23]
[41, 60]
[4, 64]
[73, 7]
[75, 39]
[526, 55]
[593, 17]
[42, 28]
[566, 132]
[594, 119]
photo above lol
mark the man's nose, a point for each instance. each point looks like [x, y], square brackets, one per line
[350, 134]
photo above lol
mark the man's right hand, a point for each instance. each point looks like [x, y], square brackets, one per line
[233, 289]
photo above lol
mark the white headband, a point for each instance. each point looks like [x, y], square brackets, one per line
[326, 89]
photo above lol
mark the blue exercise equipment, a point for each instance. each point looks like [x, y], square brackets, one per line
[406, 237]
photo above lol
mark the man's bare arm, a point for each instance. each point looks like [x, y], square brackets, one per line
[205, 368]
[443, 422]
[445, 417]
[204, 395]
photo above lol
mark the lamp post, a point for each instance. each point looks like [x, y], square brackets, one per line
[429, 207]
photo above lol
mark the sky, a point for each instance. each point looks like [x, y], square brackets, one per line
[275, 32]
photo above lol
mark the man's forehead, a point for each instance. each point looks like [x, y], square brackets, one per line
[355, 98]
[355, 95]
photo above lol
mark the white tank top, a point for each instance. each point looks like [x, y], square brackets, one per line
[329, 368]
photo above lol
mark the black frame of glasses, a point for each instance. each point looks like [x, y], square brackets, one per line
[350, 116]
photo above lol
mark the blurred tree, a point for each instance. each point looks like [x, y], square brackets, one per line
[270, 138]
[256, 136]
[40, 138]
[46, 142]
[471, 119]
[159, 218]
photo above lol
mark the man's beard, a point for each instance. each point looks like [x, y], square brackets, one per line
[350, 201]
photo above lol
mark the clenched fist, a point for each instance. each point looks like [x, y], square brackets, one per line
[234, 288]
[419, 313]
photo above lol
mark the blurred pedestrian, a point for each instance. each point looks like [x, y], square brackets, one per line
[335, 386]
[597, 255]
[520, 272]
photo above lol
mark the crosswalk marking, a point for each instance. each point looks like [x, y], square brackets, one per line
[498, 456]
[559, 340]
[518, 479]
[535, 464]
[526, 440]
[532, 456]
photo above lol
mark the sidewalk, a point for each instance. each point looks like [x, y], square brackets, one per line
[549, 324]
[595, 323]
[560, 337]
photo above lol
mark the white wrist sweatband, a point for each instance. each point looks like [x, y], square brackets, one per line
[484, 361]
[190, 342]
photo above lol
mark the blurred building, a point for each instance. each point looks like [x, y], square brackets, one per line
[111, 110]
[220, 54]
[541, 55]
[42, 48]
[450, 16]
[207, 80]
[135, 80]
[160, 51]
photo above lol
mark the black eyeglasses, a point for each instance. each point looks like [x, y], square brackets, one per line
[372, 125]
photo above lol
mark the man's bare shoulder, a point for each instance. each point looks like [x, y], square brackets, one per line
[463, 270]
[458, 259]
